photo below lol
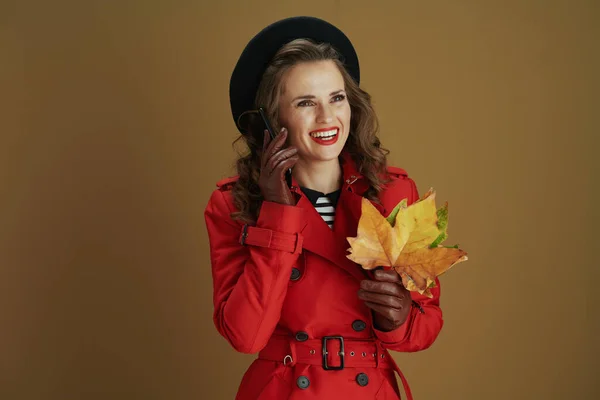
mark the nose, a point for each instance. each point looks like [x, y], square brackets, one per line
[325, 115]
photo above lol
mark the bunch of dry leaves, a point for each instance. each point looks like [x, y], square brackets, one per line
[409, 240]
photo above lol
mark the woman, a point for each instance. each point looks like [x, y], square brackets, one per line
[283, 286]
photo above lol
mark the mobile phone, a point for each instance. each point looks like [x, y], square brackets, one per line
[263, 115]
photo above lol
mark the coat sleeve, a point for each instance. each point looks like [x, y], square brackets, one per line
[250, 281]
[424, 322]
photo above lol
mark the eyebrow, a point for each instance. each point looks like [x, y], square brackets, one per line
[310, 96]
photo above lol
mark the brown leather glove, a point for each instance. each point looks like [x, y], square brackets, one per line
[388, 298]
[275, 161]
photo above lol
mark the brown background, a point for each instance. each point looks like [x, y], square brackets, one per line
[115, 125]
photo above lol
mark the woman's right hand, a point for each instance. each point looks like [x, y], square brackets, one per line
[275, 162]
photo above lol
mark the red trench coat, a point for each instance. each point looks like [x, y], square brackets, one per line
[290, 285]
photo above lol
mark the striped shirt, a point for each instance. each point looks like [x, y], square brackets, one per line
[324, 203]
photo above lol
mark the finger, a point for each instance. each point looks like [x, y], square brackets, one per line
[387, 276]
[278, 157]
[284, 165]
[276, 144]
[389, 288]
[389, 313]
[396, 302]
[266, 141]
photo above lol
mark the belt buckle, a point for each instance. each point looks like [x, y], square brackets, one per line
[341, 353]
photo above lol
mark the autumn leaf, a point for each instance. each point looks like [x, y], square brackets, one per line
[392, 217]
[408, 240]
[378, 246]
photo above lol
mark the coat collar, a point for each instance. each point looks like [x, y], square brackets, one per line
[352, 179]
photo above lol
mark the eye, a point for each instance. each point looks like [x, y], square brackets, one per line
[339, 97]
[304, 103]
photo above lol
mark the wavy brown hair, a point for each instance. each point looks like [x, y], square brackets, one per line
[362, 145]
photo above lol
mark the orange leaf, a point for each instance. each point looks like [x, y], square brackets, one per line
[375, 243]
[429, 263]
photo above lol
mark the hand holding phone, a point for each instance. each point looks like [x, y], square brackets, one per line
[275, 163]
[269, 128]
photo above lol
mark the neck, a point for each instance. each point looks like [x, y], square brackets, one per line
[324, 176]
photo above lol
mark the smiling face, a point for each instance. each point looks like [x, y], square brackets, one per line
[314, 108]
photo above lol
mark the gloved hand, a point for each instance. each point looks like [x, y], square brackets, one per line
[275, 161]
[388, 298]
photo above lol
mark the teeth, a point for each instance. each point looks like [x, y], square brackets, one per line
[324, 134]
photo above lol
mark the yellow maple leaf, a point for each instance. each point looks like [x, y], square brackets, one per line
[408, 240]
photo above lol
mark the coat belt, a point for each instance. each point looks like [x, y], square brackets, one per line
[331, 352]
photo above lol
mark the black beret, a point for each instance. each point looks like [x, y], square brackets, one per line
[258, 53]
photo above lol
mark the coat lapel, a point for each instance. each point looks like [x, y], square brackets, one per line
[333, 244]
[322, 240]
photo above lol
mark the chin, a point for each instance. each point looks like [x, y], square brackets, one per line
[324, 153]
[326, 156]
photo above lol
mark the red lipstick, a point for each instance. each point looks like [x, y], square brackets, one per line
[328, 139]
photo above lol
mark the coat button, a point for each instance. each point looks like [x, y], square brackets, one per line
[301, 336]
[359, 325]
[302, 382]
[295, 274]
[362, 379]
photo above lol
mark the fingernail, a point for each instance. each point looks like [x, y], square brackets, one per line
[283, 130]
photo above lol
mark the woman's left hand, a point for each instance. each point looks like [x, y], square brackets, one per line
[389, 299]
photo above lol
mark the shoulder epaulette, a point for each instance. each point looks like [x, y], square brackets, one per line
[227, 183]
[397, 171]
